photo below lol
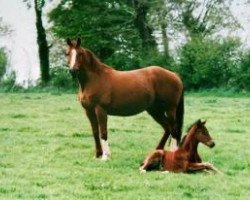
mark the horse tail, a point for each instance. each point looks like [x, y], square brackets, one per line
[179, 118]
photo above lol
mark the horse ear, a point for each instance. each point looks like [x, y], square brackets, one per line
[199, 123]
[203, 123]
[69, 42]
[78, 42]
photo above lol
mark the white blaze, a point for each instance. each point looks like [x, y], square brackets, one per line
[72, 58]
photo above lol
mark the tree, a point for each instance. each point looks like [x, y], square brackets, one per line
[106, 27]
[207, 63]
[42, 43]
[205, 17]
[141, 8]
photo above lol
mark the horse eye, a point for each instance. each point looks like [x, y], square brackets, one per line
[67, 54]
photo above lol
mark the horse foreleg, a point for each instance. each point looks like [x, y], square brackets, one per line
[197, 167]
[202, 166]
[94, 125]
[213, 168]
[102, 122]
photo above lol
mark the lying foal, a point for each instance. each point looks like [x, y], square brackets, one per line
[186, 157]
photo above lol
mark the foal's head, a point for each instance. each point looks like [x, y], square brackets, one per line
[74, 55]
[199, 132]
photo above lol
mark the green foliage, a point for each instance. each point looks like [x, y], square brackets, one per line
[47, 149]
[208, 63]
[242, 72]
[205, 17]
[61, 79]
[3, 62]
[107, 27]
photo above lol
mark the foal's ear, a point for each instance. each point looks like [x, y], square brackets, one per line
[78, 42]
[203, 123]
[199, 123]
[69, 42]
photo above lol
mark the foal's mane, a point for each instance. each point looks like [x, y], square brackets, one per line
[189, 128]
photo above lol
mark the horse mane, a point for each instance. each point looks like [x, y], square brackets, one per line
[183, 140]
[196, 122]
[189, 128]
[94, 63]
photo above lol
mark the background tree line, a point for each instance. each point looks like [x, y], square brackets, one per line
[130, 34]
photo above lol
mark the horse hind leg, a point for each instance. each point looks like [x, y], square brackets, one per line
[159, 116]
[170, 129]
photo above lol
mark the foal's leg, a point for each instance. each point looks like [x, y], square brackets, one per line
[102, 121]
[202, 166]
[94, 125]
[192, 167]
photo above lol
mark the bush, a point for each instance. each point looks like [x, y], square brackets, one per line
[242, 73]
[208, 63]
[3, 62]
[61, 78]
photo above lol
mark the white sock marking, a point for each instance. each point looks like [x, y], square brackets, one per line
[105, 149]
[174, 146]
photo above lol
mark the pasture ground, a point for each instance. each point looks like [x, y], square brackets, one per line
[47, 149]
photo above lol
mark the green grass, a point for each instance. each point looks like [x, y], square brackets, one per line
[47, 149]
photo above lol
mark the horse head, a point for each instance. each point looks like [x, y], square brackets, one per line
[74, 55]
[202, 134]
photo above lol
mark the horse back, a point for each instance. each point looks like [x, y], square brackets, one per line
[176, 161]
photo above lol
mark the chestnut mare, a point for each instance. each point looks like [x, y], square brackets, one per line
[105, 91]
[184, 159]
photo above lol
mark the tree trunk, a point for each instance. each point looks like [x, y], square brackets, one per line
[42, 45]
[145, 31]
[165, 41]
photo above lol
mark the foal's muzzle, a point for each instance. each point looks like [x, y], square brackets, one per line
[211, 144]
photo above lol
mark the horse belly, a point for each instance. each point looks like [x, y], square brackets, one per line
[129, 104]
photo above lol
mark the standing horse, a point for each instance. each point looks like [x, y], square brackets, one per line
[184, 159]
[105, 91]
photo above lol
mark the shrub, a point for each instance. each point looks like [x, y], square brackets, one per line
[242, 73]
[208, 63]
[60, 78]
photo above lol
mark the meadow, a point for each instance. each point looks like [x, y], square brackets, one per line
[47, 151]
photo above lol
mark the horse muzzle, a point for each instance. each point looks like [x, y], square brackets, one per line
[210, 144]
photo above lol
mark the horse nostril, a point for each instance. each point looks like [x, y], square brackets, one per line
[212, 144]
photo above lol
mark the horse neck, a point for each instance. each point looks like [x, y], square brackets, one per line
[91, 70]
[191, 143]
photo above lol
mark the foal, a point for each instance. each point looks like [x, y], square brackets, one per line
[184, 159]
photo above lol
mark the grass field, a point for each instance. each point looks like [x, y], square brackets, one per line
[47, 149]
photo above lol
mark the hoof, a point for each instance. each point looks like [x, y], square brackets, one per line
[165, 172]
[105, 156]
[142, 171]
